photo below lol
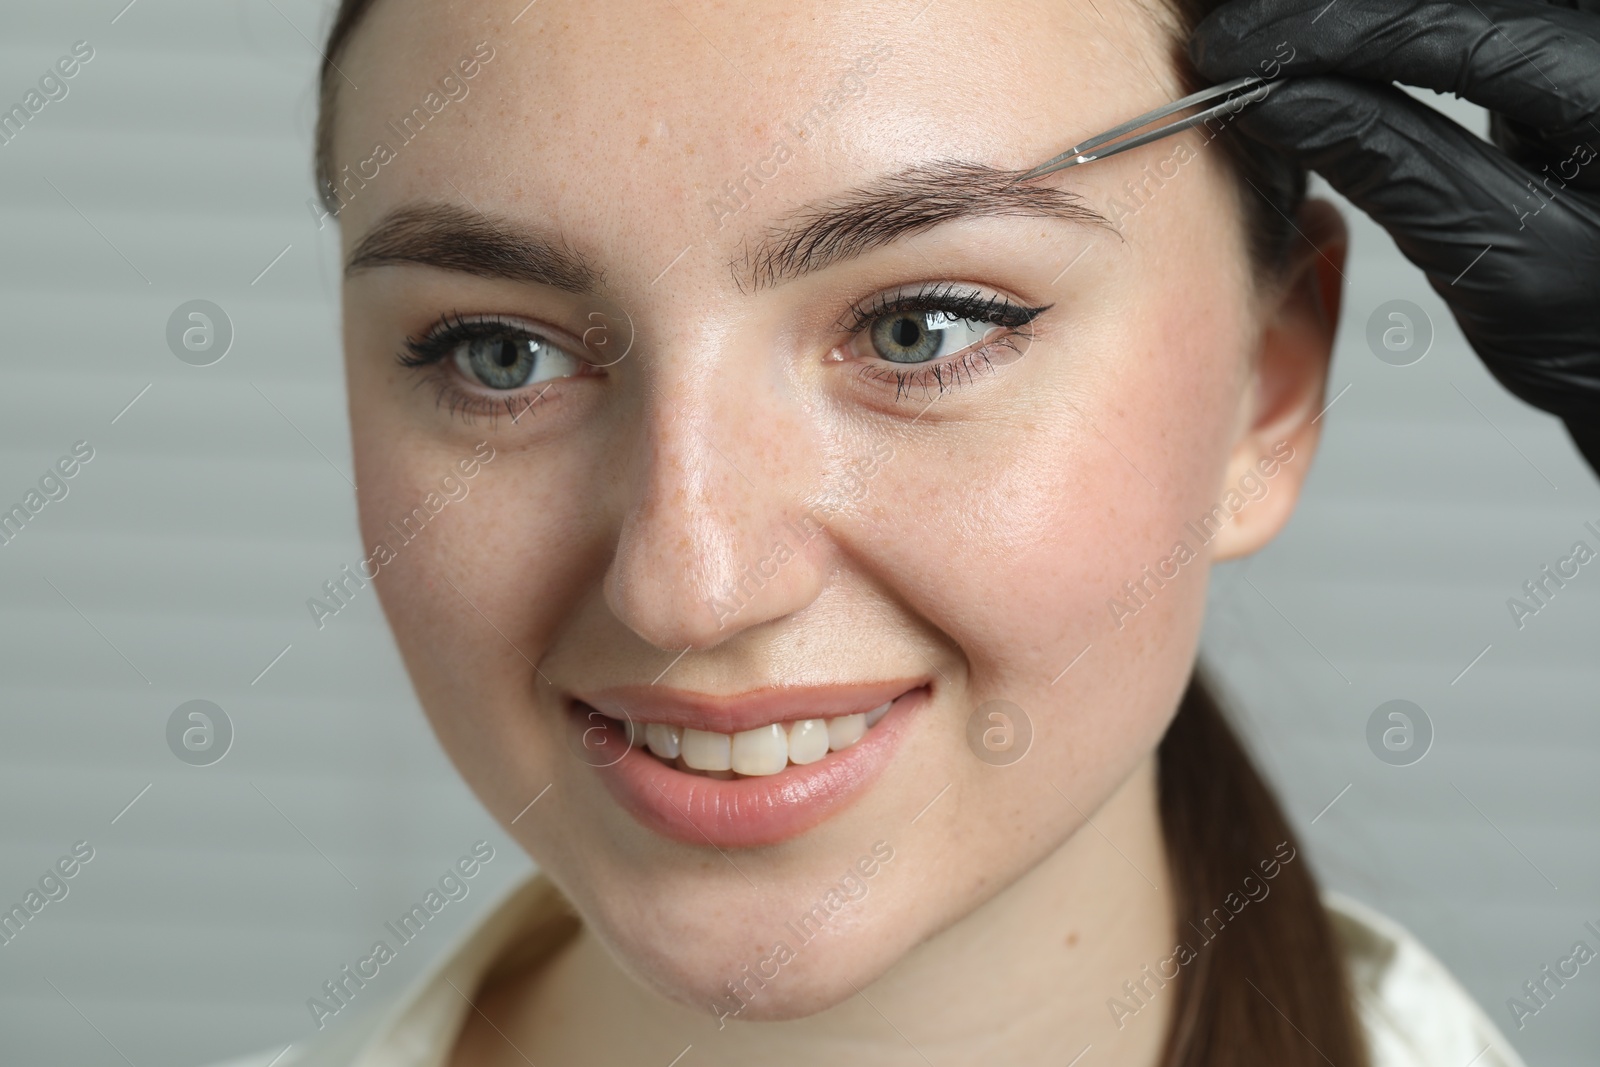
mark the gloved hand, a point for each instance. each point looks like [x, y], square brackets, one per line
[1510, 238]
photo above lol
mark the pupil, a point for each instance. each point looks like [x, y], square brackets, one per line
[906, 332]
[506, 356]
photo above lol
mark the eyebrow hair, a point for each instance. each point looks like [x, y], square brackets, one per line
[815, 237]
[897, 205]
[453, 238]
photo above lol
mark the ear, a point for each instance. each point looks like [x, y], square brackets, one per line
[1282, 402]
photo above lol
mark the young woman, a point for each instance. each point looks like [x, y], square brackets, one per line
[823, 615]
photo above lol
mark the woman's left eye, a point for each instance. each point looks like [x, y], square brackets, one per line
[937, 335]
[510, 360]
[923, 336]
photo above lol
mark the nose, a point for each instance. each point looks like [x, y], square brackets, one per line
[717, 533]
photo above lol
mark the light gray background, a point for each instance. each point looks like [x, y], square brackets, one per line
[221, 899]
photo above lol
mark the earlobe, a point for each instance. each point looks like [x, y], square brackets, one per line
[1283, 402]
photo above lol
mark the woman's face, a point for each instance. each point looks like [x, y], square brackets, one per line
[732, 312]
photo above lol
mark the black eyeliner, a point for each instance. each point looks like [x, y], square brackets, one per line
[952, 298]
[455, 329]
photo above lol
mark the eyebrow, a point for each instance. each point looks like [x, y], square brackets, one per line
[812, 238]
[453, 238]
[897, 205]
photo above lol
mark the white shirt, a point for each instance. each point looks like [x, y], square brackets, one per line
[1414, 1013]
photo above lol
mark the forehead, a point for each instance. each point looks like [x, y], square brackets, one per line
[612, 118]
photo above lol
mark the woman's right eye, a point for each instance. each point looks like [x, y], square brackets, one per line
[916, 337]
[513, 360]
[490, 353]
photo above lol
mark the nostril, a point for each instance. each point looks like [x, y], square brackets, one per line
[672, 616]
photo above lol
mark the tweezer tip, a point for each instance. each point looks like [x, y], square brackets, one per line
[1052, 167]
[1053, 164]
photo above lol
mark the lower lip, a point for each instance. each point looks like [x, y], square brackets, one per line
[756, 811]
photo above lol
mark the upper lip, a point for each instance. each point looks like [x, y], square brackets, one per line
[744, 711]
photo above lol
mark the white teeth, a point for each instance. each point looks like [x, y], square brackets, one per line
[764, 750]
[846, 730]
[808, 741]
[705, 751]
[665, 741]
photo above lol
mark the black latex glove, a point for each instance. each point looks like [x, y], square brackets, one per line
[1530, 306]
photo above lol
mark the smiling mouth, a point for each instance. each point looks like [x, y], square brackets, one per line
[743, 771]
[756, 753]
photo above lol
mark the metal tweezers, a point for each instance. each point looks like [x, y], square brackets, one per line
[1094, 148]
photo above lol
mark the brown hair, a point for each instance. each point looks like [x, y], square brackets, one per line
[1267, 981]
[345, 18]
[1272, 987]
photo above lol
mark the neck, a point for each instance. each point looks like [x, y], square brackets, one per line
[1053, 964]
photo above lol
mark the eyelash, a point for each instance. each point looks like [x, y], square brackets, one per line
[435, 348]
[956, 301]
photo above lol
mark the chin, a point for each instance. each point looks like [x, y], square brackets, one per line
[744, 979]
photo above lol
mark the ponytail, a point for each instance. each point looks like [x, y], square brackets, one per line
[1264, 980]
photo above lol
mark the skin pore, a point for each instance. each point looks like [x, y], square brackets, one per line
[732, 388]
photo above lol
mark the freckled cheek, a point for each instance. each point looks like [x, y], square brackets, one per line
[511, 546]
[993, 550]
[516, 555]
[1013, 549]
